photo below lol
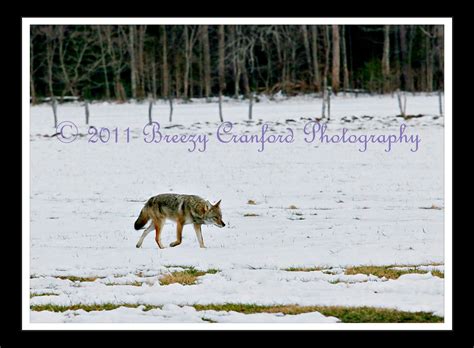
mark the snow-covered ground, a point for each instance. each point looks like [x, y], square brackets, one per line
[348, 208]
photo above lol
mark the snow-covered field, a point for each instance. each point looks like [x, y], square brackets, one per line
[316, 205]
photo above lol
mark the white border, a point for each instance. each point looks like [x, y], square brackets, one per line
[26, 325]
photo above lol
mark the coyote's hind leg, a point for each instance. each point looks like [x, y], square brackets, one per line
[158, 227]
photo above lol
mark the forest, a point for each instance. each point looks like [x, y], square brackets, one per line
[123, 62]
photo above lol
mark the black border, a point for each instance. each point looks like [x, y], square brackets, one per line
[11, 330]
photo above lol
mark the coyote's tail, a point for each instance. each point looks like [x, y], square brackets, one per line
[142, 219]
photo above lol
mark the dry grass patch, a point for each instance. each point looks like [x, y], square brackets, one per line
[79, 279]
[292, 207]
[43, 294]
[251, 202]
[250, 214]
[388, 271]
[86, 307]
[433, 206]
[187, 277]
[135, 283]
[345, 314]
[304, 269]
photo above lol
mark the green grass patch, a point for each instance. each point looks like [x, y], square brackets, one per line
[345, 314]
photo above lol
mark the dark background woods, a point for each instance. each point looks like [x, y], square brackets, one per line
[120, 62]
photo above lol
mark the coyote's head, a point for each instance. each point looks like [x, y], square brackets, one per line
[213, 215]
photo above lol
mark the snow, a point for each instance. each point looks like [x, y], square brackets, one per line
[352, 208]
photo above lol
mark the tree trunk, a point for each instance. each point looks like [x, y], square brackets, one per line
[153, 74]
[67, 80]
[165, 87]
[50, 48]
[404, 57]
[235, 59]
[221, 68]
[133, 63]
[201, 70]
[386, 59]
[345, 70]
[187, 58]
[245, 78]
[316, 77]
[429, 60]
[336, 56]
[207, 60]
[104, 65]
[32, 81]
[308, 53]
[141, 61]
[440, 54]
[410, 79]
[326, 68]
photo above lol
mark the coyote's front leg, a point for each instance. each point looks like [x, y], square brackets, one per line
[145, 233]
[197, 228]
[179, 234]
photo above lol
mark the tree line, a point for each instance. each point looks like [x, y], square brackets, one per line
[119, 62]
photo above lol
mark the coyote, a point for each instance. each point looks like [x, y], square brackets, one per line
[184, 209]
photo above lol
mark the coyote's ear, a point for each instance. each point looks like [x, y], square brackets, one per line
[218, 203]
[206, 206]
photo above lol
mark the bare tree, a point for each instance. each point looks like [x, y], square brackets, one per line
[165, 87]
[103, 61]
[335, 58]
[190, 38]
[34, 33]
[327, 44]
[234, 47]
[116, 49]
[221, 68]
[386, 59]
[345, 70]
[207, 60]
[404, 57]
[304, 31]
[141, 61]
[314, 47]
[74, 45]
[133, 64]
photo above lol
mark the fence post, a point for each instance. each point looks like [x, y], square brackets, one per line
[402, 106]
[329, 103]
[54, 105]
[440, 97]
[150, 107]
[86, 105]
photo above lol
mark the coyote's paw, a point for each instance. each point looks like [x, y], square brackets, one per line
[175, 244]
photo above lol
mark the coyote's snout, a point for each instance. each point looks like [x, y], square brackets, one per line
[183, 209]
